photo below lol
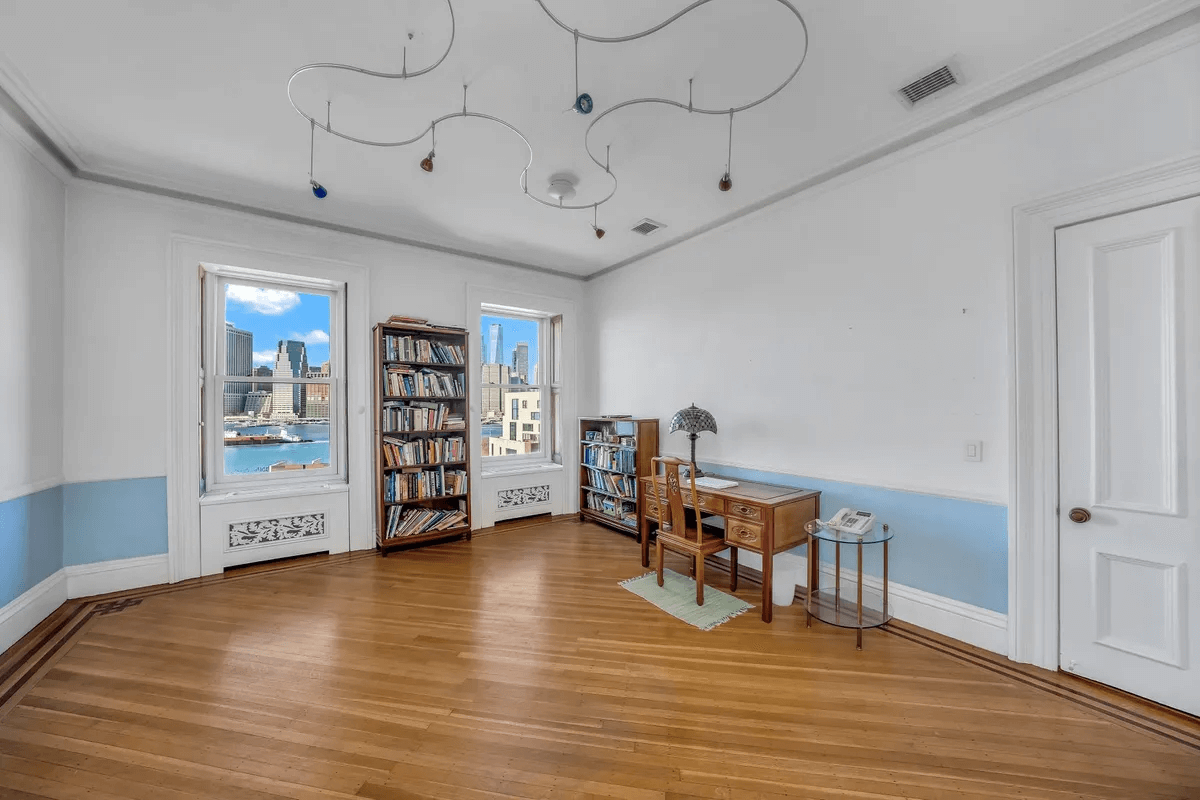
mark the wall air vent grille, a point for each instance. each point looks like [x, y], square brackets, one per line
[941, 78]
[647, 227]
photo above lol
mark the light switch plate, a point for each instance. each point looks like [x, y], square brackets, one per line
[973, 451]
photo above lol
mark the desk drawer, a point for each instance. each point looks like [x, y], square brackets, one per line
[714, 505]
[652, 509]
[739, 509]
[743, 534]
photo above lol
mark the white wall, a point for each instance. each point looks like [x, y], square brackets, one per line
[32, 205]
[117, 385]
[857, 332]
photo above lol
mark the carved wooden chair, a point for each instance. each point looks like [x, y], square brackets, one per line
[676, 535]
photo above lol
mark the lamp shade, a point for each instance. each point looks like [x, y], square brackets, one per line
[693, 420]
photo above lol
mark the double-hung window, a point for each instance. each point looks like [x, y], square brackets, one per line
[274, 378]
[519, 385]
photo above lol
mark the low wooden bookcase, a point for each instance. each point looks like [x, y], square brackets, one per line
[613, 454]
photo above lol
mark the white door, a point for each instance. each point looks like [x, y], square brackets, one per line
[1129, 422]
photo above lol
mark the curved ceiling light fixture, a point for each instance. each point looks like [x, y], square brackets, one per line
[583, 105]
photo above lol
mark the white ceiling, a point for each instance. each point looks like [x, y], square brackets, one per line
[190, 95]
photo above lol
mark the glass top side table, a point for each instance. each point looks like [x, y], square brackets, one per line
[829, 606]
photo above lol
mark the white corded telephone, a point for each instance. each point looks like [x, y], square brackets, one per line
[849, 520]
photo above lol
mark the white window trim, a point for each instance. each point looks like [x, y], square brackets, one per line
[216, 482]
[495, 465]
[186, 253]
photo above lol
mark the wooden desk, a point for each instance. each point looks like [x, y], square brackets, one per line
[759, 517]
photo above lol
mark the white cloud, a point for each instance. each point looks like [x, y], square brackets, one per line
[263, 301]
[264, 357]
[312, 337]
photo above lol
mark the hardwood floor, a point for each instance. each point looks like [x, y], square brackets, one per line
[513, 666]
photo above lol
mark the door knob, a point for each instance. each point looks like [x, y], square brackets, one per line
[1080, 515]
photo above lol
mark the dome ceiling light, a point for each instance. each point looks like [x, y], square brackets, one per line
[561, 190]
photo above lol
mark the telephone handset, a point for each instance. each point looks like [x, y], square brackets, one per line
[849, 520]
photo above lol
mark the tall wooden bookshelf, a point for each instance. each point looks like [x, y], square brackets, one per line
[613, 455]
[422, 446]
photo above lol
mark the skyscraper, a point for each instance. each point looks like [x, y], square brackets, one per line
[520, 364]
[495, 345]
[291, 360]
[239, 360]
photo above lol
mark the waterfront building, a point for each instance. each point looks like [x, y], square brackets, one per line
[291, 361]
[258, 403]
[239, 360]
[316, 401]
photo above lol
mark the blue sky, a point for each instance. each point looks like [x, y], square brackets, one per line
[515, 330]
[274, 314]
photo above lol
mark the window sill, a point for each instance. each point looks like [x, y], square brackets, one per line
[249, 494]
[519, 469]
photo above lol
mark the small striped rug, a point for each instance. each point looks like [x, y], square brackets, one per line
[677, 597]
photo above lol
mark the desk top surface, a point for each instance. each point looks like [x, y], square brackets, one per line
[761, 493]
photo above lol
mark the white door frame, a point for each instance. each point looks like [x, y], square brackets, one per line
[186, 255]
[1033, 393]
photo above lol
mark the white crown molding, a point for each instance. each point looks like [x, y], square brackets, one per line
[13, 82]
[24, 613]
[102, 577]
[32, 487]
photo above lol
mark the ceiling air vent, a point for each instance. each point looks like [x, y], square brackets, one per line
[647, 227]
[941, 78]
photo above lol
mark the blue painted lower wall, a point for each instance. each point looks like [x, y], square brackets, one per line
[31, 543]
[108, 520]
[953, 548]
[79, 523]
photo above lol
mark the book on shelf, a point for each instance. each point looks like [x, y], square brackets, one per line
[419, 452]
[421, 350]
[412, 521]
[609, 457]
[402, 417]
[408, 382]
[623, 485]
[400, 487]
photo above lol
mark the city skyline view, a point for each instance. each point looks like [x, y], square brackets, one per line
[271, 315]
[514, 332]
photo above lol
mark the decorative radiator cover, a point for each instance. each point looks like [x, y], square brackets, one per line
[522, 496]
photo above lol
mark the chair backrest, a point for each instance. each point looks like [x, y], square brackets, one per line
[670, 512]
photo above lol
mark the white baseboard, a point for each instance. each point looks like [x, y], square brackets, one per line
[971, 624]
[24, 613]
[121, 575]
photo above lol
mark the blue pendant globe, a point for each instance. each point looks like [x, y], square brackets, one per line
[319, 191]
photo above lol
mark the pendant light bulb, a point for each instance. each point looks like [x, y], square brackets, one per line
[596, 222]
[599, 233]
[319, 191]
[427, 162]
[725, 184]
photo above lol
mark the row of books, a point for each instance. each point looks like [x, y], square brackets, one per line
[397, 453]
[422, 417]
[411, 521]
[623, 485]
[612, 508]
[410, 348]
[399, 487]
[402, 382]
[598, 455]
